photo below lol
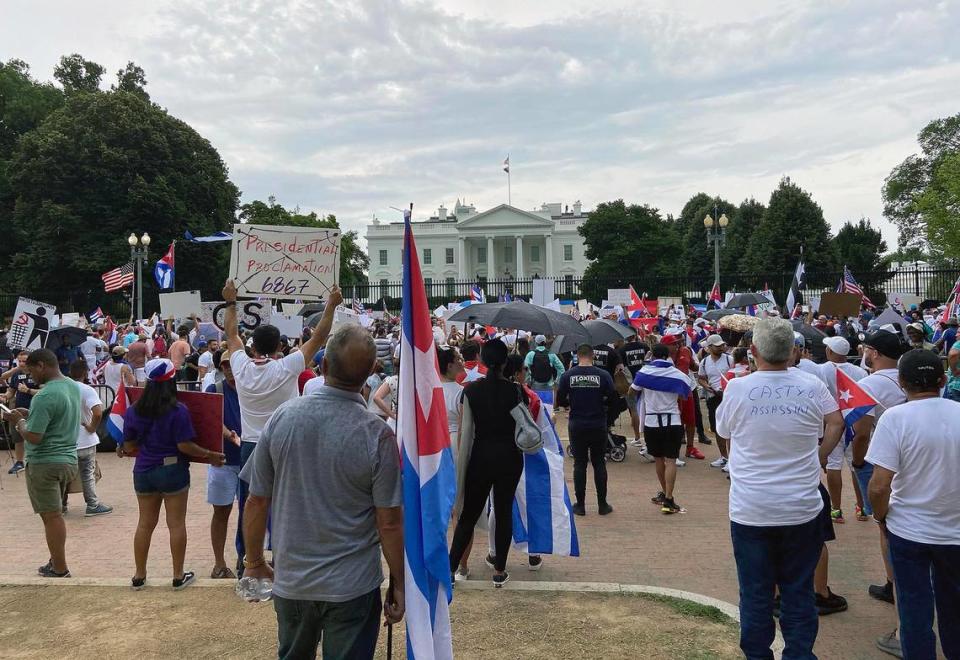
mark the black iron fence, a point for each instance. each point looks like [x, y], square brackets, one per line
[913, 279]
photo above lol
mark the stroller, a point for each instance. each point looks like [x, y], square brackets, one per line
[616, 448]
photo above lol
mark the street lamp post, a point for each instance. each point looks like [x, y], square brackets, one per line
[138, 254]
[716, 234]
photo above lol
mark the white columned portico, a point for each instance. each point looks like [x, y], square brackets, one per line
[462, 257]
[549, 255]
[520, 257]
[491, 261]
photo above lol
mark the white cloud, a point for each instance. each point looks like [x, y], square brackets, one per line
[353, 107]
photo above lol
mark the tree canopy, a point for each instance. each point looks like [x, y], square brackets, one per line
[697, 260]
[919, 194]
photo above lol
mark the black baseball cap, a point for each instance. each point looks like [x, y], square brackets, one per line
[886, 343]
[921, 368]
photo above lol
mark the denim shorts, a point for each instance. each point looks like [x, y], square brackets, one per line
[163, 479]
[223, 484]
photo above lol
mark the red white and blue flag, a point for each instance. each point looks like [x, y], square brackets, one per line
[854, 403]
[429, 476]
[849, 285]
[117, 411]
[477, 295]
[715, 298]
[953, 304]
[163, 271]
[95, 316]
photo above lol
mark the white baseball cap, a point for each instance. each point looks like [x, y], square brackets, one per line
[540, 339]
[715, 340]
[838, 345]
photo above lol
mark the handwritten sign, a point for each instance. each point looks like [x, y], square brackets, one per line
[179, 305]
[284, 262]
[250, 314]
[619, 296]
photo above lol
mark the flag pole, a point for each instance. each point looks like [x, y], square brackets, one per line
[173, 271]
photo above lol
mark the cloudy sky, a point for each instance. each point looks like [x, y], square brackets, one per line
[351, 107]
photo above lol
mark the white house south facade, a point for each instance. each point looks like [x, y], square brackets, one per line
[501, 243]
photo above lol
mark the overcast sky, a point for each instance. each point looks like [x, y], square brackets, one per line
[353, 107]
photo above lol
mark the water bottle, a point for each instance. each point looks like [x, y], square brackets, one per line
[253, 590]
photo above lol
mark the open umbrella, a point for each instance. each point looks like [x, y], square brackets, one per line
[717, 314]
[522, 316]
[605, 331]
[66, 335]
[747, 299]
[311, 308]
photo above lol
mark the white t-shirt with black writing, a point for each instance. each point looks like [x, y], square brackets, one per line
[774, 420]
[920, 441]
[262, 386]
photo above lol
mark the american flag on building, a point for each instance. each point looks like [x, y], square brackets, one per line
[118, 278]
[849, 285]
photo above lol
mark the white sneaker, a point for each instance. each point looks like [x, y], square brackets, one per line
[681, 463]
[719, 463]
[726, 468]
[461, 574]
[644, 456]
[637, 442]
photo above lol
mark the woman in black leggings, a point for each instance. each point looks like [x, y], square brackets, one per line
[495, 462]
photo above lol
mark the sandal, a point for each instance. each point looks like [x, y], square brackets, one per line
[223, 573]
[138, 583]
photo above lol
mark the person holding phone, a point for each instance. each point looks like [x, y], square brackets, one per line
[20, 394]
[159, 429]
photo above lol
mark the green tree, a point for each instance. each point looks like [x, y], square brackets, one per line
[353, 260]
[697, 260]
[792, 221]
[24, 103]
[102, 166]
[132, 78]
[743, 223]
[77, 74]
[908, 181]
[939, 205]
[627, 245]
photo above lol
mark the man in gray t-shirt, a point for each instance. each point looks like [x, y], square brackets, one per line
[330, 471]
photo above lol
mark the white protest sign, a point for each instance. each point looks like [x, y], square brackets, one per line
[250, 313]
[903, 300]
[365, 320]
[814, 302]
[439, 311]
[71, 319]
[542, 292]
[290, 325]
[284, 262]
[619, 296]
[179, 305]
[292, 308]
[31, 324]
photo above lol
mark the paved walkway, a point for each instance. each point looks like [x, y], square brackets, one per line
[634, 545]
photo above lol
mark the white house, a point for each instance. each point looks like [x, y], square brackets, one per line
[502, 243]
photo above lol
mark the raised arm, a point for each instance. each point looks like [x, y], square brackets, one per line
[322, 331]
[234, 342]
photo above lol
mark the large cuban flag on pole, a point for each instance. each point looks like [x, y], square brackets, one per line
[117, 411]
[429, 476]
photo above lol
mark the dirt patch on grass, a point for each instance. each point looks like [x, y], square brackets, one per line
[106, 623]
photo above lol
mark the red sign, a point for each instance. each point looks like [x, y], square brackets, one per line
[206, 413]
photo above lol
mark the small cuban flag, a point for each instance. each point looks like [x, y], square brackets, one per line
[117, 411]
[854, 403]
[163, 271]
[477, 295]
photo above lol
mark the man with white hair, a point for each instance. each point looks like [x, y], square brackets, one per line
[837, 349]
[773, 421]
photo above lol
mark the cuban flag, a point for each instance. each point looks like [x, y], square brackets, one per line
[715, 298]
[429, 476]
[542, 511]
[854, 403]
[477, 295]
[662, 376]
[117, 411]
[163, 271]
[95, 316]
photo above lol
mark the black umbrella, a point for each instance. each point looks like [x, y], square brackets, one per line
[66, 335]
[717, 314]
[747, 299]
[522, 316]
[605, 331]
[311, 308]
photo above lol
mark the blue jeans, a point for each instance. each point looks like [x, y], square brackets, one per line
[784, 557]
[243, 490]
[925, 576]
[863, 479]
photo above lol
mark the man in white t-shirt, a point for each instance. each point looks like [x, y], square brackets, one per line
[773, 421]
[94, 349]
[91, 411]
[205, 360]
[710, 375]
[915, 451]
[264, 382]
[881, 350]
[837, 349]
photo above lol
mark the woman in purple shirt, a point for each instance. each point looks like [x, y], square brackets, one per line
[159, 429]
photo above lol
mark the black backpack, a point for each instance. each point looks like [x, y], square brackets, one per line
[541, 371]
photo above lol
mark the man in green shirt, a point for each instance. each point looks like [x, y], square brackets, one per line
[50, 430]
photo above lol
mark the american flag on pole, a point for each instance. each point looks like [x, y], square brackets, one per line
[357, 307]
[429, 478]
[953, 302]
[849, 285]
[118, 278]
